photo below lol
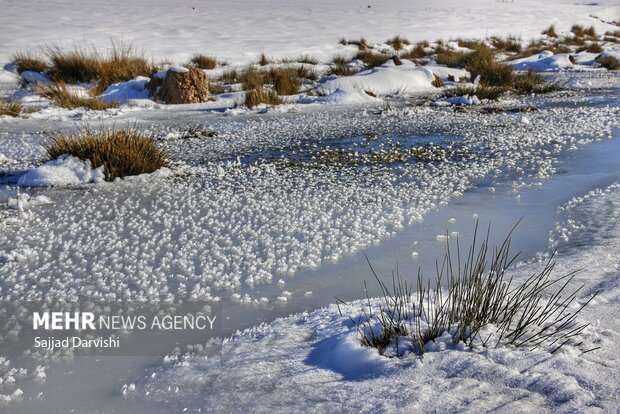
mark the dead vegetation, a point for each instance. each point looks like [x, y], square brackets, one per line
[202, 61]
[122, 152]
[60, 95]
[26, 62]
[80, 65]
[13, 109]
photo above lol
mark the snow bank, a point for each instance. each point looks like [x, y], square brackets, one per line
[124, 92]
[64, 171]
[387, 79]
[543, 62]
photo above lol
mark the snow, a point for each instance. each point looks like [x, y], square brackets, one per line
[35, 78]
[543, 62]
[315, 357]
[387, 79]
[167, 30]
[126, 92]
[64, 171]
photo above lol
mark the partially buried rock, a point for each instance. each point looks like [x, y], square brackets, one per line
[179, 85]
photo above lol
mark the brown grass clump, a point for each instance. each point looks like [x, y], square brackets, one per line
[203, 61]
[121, 64]
[609, 62]
[482, 63]
[580, 31]
[398, 43]
[372, 59]
[594, 47]
[450, 57]
[531, 82]
[251, 78]
[122, 152]
[13, 109]
[471, 44]
[438, 82]
[72, 66]
[491, 93]
[307, 59]
[361, 43]
[26, 62]
[263, 60]
[615, 33]
[61, 96]
[417, 52]
[230, 76]
[256, 97]
[342, 70]
[286, 81]
[550, 31]
[510, 44]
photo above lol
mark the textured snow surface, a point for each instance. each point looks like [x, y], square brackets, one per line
[313, 360]
[221, 219]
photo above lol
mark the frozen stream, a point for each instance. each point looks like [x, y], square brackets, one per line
[499, 167]
[592, 166]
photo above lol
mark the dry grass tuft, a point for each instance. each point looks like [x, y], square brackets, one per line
[471, 44]
[550, 31]
[122, 152]
[26, 62]
[510, 44]
[13, 109]
[256, 97]
[438, 82]
[263, 60]
[307, 59]
[286, 81]
[121, 64]
[342, 70]
[491, 93]
[531, 82]
[372, 59]
[474, 301]
[594, 47]
[449, 57]
[251, 78]
[609, 62]
[203, 61]
[417, 52]
[398, 43]
[61, 96]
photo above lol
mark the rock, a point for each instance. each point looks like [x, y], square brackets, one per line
[181, 86]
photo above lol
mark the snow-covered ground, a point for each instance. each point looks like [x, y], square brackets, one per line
[239, 30]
